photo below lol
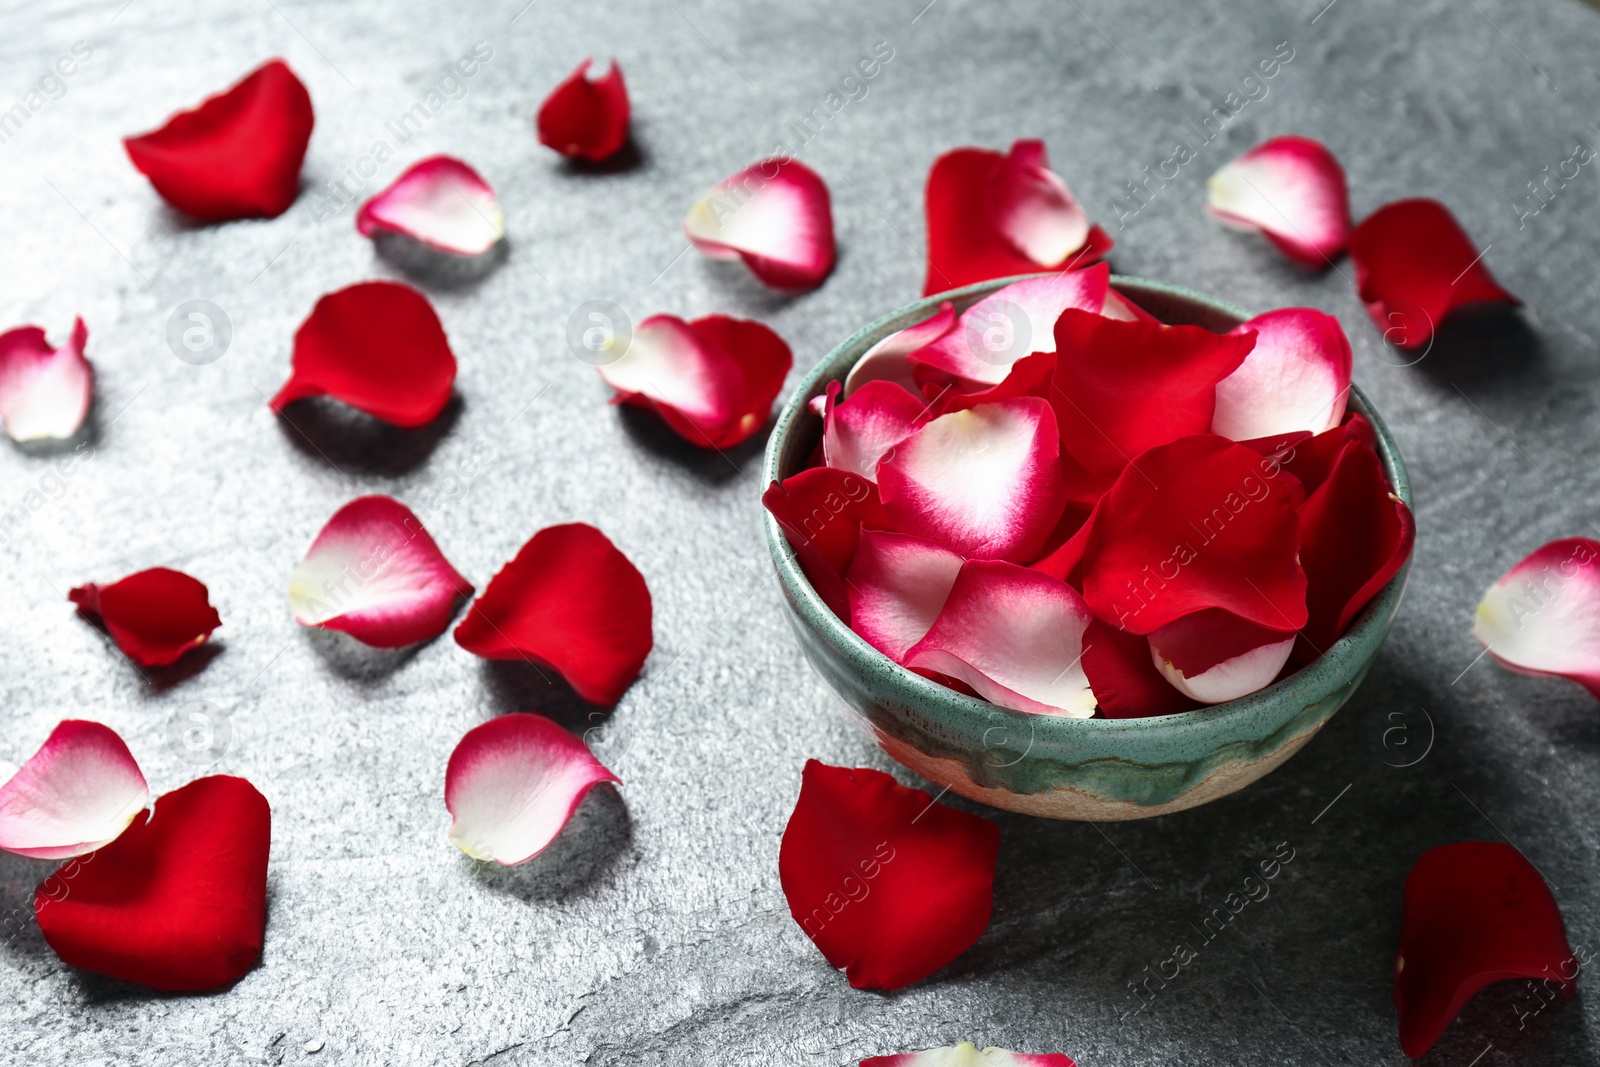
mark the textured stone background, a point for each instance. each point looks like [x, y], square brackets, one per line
[655, 932]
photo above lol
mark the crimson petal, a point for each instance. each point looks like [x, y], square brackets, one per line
[822, 511]
[235, 156]
[1126, 683]
[1311, 460]
[569, 600]
[154, 616]
[586, 117]
[888, 884]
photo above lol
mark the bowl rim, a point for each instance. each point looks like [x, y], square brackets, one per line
[914, 687]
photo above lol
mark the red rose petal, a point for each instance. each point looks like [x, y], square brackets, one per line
[965, 244]
[377, 346]
[967, 1055]
[1029, 376]
[585, 117]
[571, 601]
[1543, 615]
[76, 794]
[441, 202]
[889, 885]
[1195, 524]
[897, 585]
[235, 156]
[44, 392]
[376, 574]
[1032, 208]
[886, 360]
[1414, 266]
[1297, 377]
[822, 511]
[860, 431]
[178, 902]
[1311, 460]
[1291, 189]
[1355, 535]
[763, 359]
[775, 215]
[154, 616]
[1125, 681]
[513, 783]
[1475, 912]
[1213, 656]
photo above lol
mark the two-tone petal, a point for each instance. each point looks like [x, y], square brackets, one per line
[1290, 189]
[968, 1055]
[44, 392]
[775, 215]
[860, 431]
[897, 585]
[888, 359]
[1214, 656]
[1296, 378]
[439, 202]
[1543, 615]
[79, 792]
[154, 616]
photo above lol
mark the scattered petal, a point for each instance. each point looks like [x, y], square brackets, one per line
[44, 392]
[1015, 636]
[1032, 208]
[154, 616]
[584, 117]
[1475, 912]
[1125, 681]
[1414, 266]
[1214, 656]
[886, 360]
[1297, 377]
[775, 215]
[376, 574]
[967, 1055]
[570, 601]
[1292, 189]
[985, 481]
[178, 902]
[897, 586]
[235, 156]
[76, 794]
[512, 784]
[441, 202]
[863, 429]
[888, 884]
[822, 512]
[1543, 615]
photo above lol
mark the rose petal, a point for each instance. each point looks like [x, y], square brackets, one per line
[822, 511]
[44, 392]
[888, 884]
[1120, 307]
[1010, 324]
[1123, 387]
[964, 243]
[1125, 681]
[775, 215]
[1029, 376]
[76, 794]
[1291, 189]
[897, 586]
[512, 784]
[441, 202]
[586, 118]
[1297, 377]
[1414, 266]
[985, 481]
[377, 346]
[1032, 208]
[235, 156]
[570, 601]
[1475, 912]
[967, 1055]
[1195, 524]
[1016, 636]
[886, 360]
[1213, 656]
[1543, 615]
[178, 902]
[861, 430]
[154, 616]
[375, 574]
[712, 380]
[1310, 461]
[1355, 535]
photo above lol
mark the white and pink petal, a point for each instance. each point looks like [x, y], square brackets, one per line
[1214, 656]
[888, 359]
[1296, 378]
[440, 202]
[44, 392]
[1291, 189]
[897, 586]
[1032, 208]
[1543, 615]
[668, 364]
[968, 1055]
[861, 430]
[776, 215]
[75, 795]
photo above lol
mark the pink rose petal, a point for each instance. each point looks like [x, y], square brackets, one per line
[76, 794]
[775, 215]
[44, 392]
[967, 1055]
[1032, 208]
[1213, 655]
[441, 202]
[1297, 377]
[859, 431]
[897, 585]
[1291, 189]
[886, 360]
[1543, 615]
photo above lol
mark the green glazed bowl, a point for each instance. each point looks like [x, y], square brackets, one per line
[1061, 768]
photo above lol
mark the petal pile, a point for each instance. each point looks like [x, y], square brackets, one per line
[775, 215]
[992, 215]
[377, 346]
[1292, 190]
[513, 783]
[178, 902]
[44, 392]
[1543, 615]
[1415, 265]
[584, 117]
[79, 792]
[888, 884]
[860, 431]
[1297, 377]
[897, 585]
[570, 601]
[154, 616]
[712, 380]
[889, 361]
[440, 202]
[235, 156]
[1475, 912]
[376, 574]
[823, 512]
[968, 1055]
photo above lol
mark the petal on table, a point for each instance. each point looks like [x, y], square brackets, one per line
[584, 117]
[967, 1055]
[1543, 615]
[441, 202]
[1291, 189]
[775, 215]
[44, 392]
[76, 794]
[154, 616]
[763, 359]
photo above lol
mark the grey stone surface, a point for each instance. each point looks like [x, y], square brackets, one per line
[655, 932]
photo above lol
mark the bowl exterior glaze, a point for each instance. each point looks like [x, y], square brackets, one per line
[1088, 769]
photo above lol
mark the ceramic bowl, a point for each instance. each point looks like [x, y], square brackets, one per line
[1088, 769]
